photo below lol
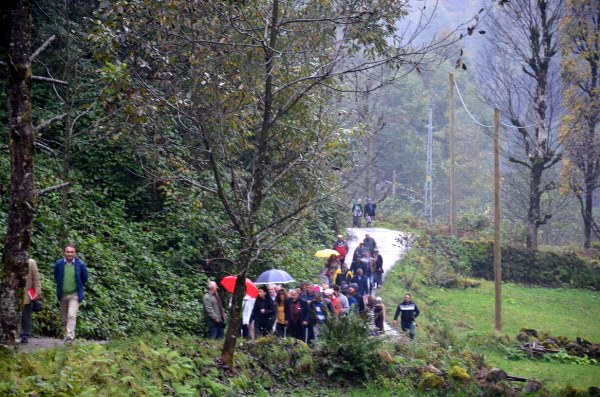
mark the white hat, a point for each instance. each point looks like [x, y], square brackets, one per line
[379, 298]
[328, 291]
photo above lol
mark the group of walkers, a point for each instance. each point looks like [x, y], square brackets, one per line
[368, 212]
[302, 312]
[366, 269]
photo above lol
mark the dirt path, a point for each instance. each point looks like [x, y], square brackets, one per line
[48, 343]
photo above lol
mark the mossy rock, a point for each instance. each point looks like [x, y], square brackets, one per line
[459, 374]
[529, 331]
[571, 391]
[430, 381]
[524, 337]
[466, 282]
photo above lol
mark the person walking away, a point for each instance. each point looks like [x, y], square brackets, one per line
[357, 212]
[370, 208]
[214, 312]
[262, 313]
[378, 269]
[33, 283]
[360, 250]
[408, 312]
[370, 244]
[280, 305]
[341, 246]
[247, 307]
[361, 281]
[296, 316]
[71, 275]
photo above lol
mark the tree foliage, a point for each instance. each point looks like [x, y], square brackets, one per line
[581, 101]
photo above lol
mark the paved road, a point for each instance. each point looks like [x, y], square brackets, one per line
[390, 249]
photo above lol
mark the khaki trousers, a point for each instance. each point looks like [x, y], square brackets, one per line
[69, 306]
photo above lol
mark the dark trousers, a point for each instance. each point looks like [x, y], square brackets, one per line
[280, 330]
[26, 321]
[216, 330]
[296, 330]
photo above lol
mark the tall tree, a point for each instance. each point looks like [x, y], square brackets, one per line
[241, 94]
[520, 77]
[581, 103]
[16, 45]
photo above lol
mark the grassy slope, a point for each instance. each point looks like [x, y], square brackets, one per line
[470, 314]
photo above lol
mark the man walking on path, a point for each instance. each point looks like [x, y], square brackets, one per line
[378, 276]
[32, 281]
[357, 212]
[70, 275]
[408, 312]
[370, 244]
[214, 312]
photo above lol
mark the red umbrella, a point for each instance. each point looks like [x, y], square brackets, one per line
[229, 284]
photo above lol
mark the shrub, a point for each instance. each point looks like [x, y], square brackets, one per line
[347, 350]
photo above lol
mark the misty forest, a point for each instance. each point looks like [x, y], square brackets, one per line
[175, 143]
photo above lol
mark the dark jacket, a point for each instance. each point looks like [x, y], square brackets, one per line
[81, 276]
[379, 264]
[363, 284]
[407, 311]
[304, 310]
[370, 209]
[263, 320]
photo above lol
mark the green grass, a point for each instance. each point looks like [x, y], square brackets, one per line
[469, 314]
[559, 311]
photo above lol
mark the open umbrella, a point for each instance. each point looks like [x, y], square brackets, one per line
[274, 276]
[228, 283]
[326, 253]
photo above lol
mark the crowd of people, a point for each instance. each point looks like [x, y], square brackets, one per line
[302, 312]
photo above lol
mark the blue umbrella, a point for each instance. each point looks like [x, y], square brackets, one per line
[274, 276]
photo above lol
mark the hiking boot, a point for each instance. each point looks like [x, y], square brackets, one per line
[24, 340]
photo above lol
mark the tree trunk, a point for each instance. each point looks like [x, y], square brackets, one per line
[22, 194]
[233, 329]
[587, 216]
[533, 213]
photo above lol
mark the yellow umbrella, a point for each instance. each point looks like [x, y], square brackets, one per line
[326, 253]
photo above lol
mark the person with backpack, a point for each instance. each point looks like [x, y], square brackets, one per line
[357, 213]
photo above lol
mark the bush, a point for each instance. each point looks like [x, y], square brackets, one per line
[347, 351]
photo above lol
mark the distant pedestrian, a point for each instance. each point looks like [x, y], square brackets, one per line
[357, 213]
[71, 275]
[214, 312]
[378, 277]
[370, 244]
[33, 292]
[341, 246]
[408, 312]
[379, 313]
[370, 208]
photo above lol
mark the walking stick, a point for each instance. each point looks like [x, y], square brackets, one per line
[285, 332]
[306, 335]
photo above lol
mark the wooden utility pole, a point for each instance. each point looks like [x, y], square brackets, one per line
[497, 252]
[394, 183]
[452, 159]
